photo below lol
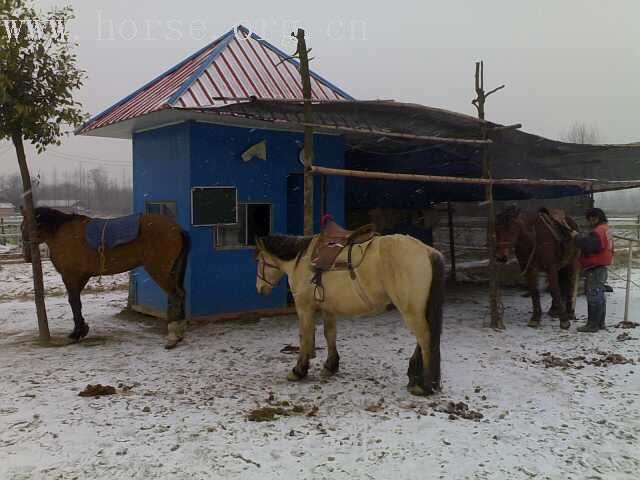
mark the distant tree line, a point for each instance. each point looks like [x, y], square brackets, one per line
[94, 188]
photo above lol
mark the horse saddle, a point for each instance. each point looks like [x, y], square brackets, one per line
[333, 240]
[103, 233]
[556, 221]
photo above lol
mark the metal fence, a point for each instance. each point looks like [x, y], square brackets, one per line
[10, 230]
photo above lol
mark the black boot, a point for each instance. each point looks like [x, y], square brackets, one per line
[593, 319]
[603, 316]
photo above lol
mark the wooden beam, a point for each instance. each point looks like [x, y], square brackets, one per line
[407, 136]
[411, 177]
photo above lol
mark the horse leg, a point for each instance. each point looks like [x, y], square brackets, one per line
[332, 364]
[306, 326]
[74, 287]
[415, 370]
[176, 323]
[554, 285]
[532, 282]
[573, 277]
[419, 366]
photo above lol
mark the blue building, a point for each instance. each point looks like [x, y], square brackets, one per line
[225, 180]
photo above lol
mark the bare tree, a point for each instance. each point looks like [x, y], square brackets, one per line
[581, 132]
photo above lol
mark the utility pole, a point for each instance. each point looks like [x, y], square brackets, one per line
[495, 304]
[303, 54]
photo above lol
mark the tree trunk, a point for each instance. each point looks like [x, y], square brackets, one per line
[38, 284]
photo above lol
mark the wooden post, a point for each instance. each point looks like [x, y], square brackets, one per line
[452, 245]
[495, 306]
[308, 131]
[627, 295]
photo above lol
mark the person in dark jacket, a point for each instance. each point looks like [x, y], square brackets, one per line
[597, 254]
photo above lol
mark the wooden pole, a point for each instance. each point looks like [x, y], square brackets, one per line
[627, 295]
[407, 136]
[308, 131]
[452, 245]
[495, 305]
[413, 177]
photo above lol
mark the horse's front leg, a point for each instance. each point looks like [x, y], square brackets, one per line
[74, 287]
[532, 282]
[307, 331]
[573, 277]
[332, 365]
[554, 286]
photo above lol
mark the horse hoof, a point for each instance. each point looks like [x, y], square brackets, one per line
[534, 324]
[419, 391]
[565, 324]
[326, 373]
[293, 377]
[78, 333]
[172, 341]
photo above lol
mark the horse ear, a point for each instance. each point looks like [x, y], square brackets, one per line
[260, 243]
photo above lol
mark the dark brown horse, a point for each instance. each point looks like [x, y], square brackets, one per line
[542, 244]
[161, 247]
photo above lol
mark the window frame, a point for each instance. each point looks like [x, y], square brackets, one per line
[147, 203]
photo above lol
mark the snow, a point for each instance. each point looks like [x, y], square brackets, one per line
[16, 281]
[182, 414]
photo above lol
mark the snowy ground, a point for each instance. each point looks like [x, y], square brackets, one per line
[16, 282]
[182, 414]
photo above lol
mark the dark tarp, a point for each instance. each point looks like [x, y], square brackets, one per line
[514, 154]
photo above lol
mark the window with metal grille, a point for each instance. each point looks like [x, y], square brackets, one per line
[254, 220]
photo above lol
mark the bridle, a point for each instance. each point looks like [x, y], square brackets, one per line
[261, 274]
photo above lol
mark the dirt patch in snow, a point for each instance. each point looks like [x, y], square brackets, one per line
[627, 325]
[97, 390]
[606, 359]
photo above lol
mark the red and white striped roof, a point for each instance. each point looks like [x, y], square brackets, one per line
[236, 66]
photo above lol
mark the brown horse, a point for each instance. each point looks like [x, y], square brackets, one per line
[542, 245]
[161, 247]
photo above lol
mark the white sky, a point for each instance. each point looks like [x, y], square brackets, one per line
[562, 61]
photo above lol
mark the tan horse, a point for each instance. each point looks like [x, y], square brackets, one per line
[161, 248]
[392, 269]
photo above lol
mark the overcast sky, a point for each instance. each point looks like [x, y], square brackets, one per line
[562, 61]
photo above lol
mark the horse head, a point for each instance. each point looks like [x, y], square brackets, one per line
[269, 271]
[507, 231]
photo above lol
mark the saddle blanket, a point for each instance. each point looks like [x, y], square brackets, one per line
[112, 232]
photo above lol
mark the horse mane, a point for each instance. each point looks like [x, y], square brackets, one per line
[285, 247]
[51, 219]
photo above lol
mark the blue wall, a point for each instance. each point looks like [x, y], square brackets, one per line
[161, 173]
[224, 280]
[169, 161]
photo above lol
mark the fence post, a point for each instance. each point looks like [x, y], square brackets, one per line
[626, 298]
[2, 237]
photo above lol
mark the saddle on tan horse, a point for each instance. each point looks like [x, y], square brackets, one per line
[332, 241]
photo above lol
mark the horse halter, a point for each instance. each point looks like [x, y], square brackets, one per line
[261, 275]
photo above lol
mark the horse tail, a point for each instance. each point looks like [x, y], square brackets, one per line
[435, 304]
[182, 259]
